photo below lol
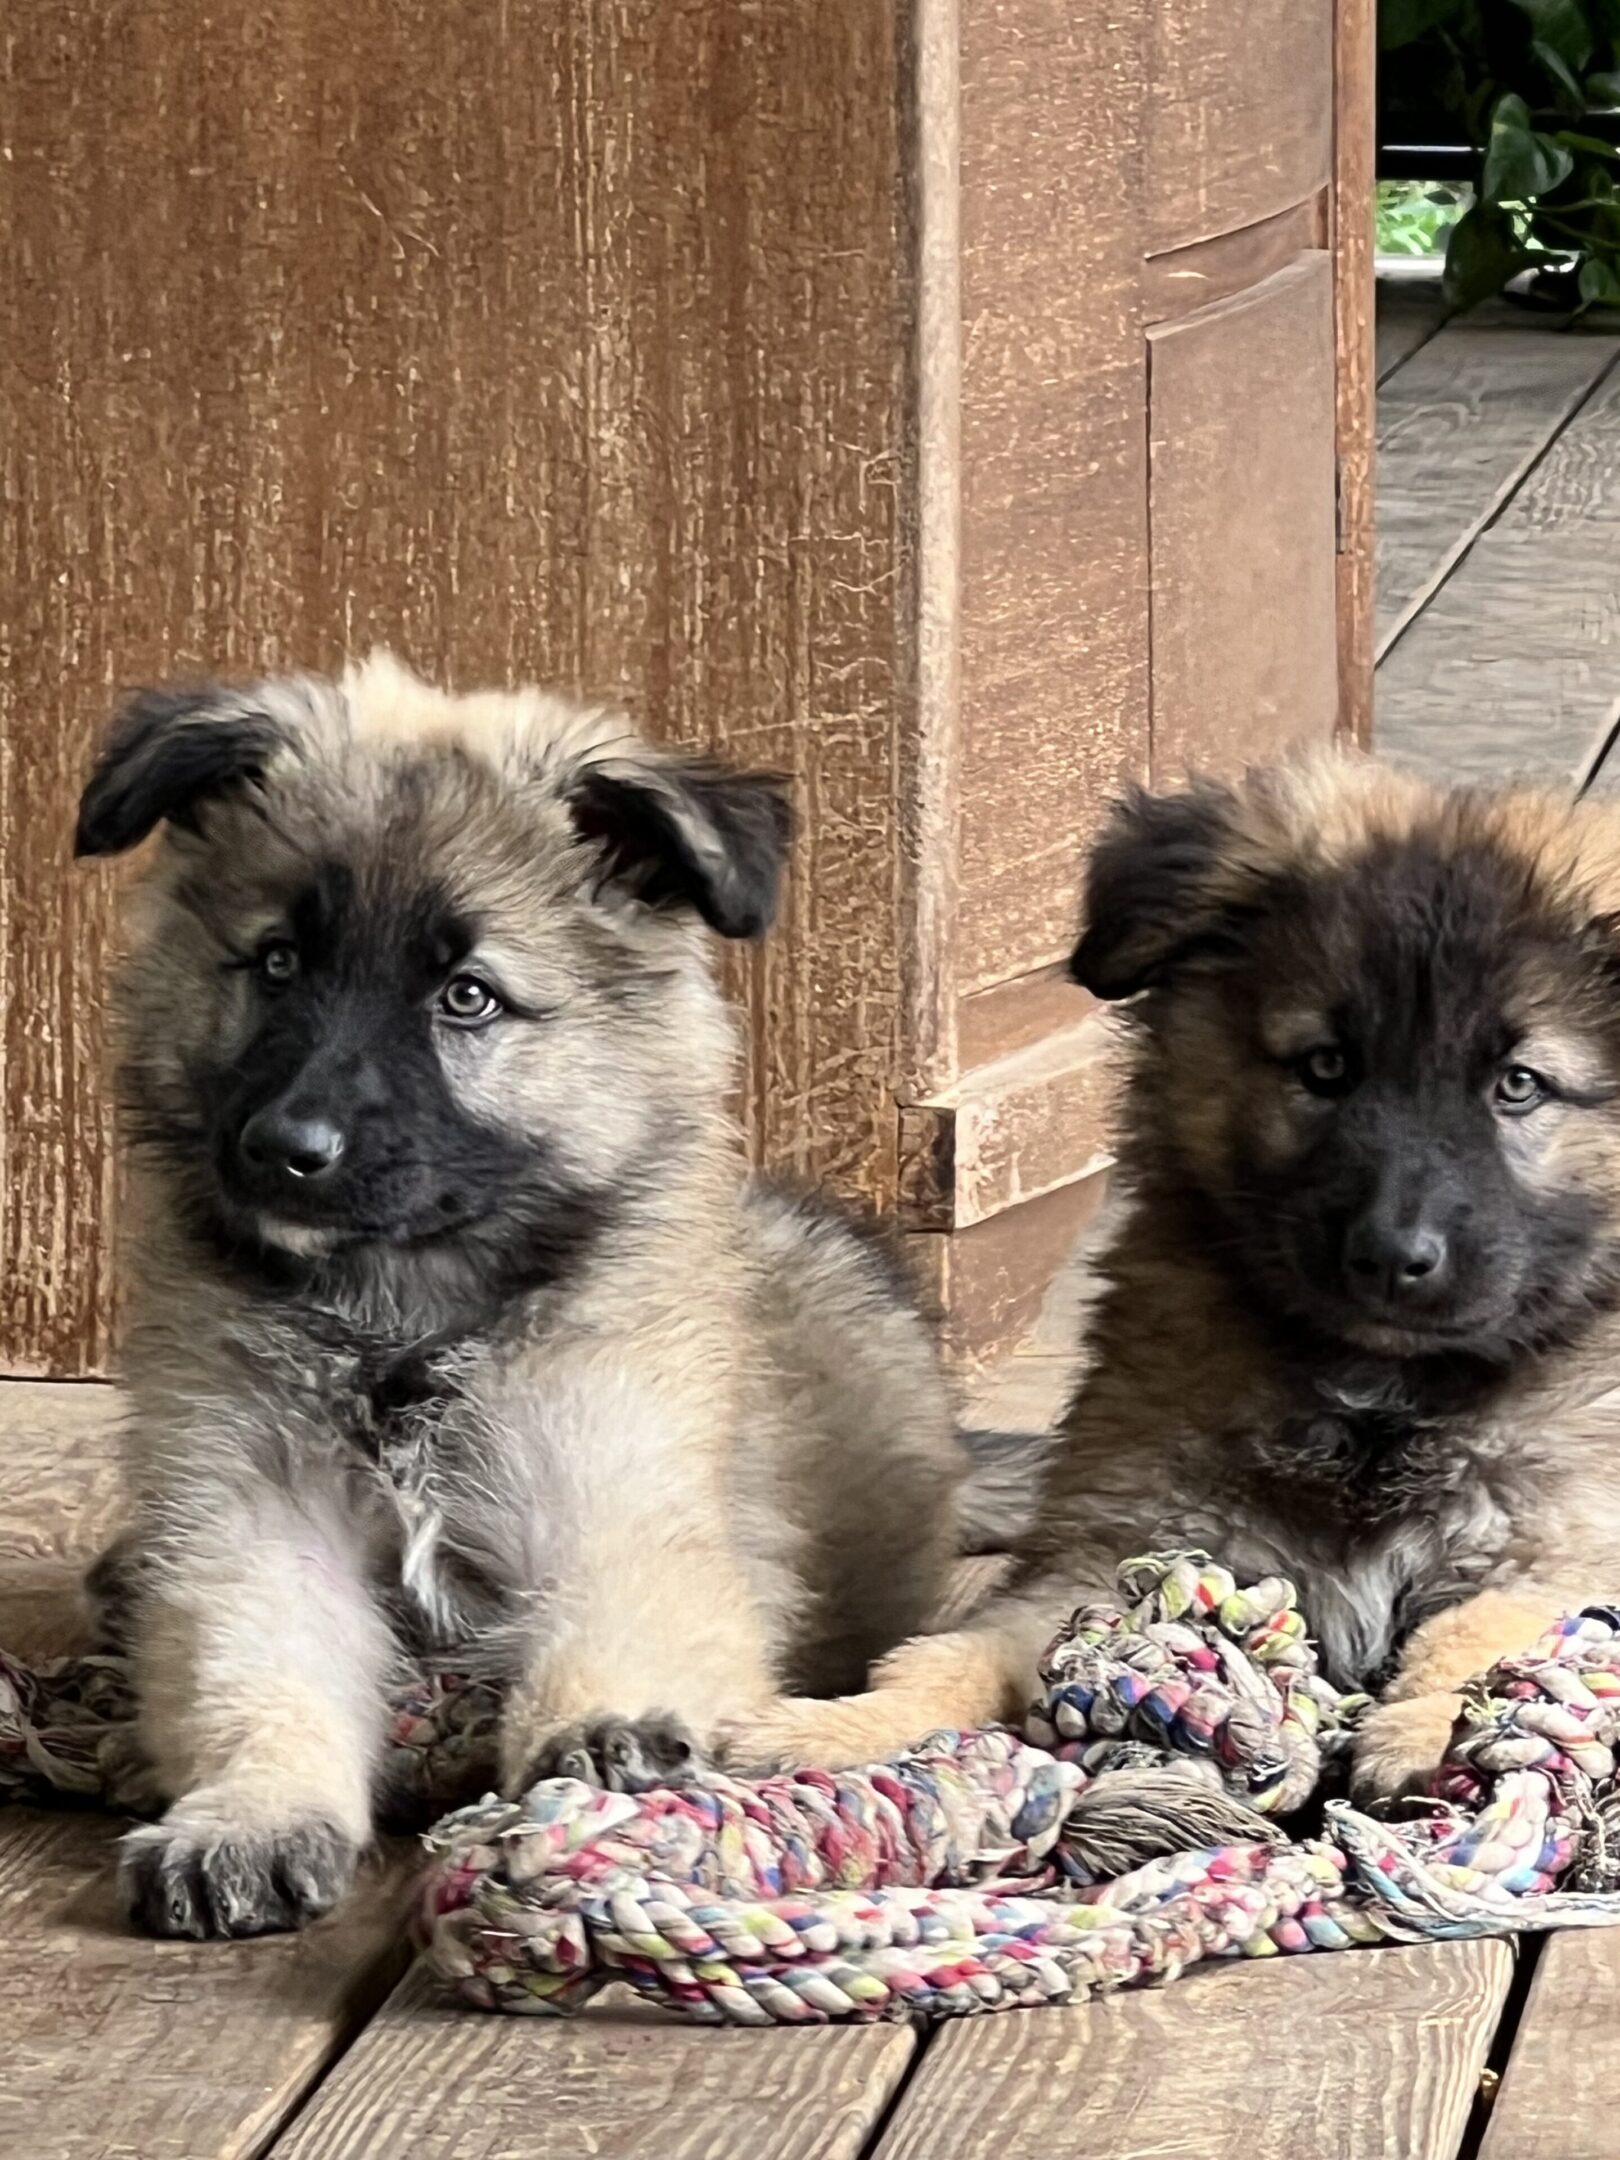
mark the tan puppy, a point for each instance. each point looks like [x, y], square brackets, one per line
[1361, 1316]
[457, 1329]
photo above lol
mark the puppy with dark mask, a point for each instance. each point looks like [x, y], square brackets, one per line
[1359, 1320]
[456, 1330]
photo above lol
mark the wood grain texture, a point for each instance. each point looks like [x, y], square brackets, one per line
[1360, 2056]
[1244, 597]
[1191, 277]
[1459, 426]
[986, 1285]
[1355, 130]
[1239, 114]
[434, 2081]
[1409, 311]
[1054, 505]
[1557, 2097]
[111, 2045]
[1014, 1129]
[559, 343]
[1509, 668]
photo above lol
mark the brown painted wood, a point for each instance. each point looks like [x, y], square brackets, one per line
[1013, 1130]
[1509, 668]
[541, 342]
[986, 1284]
[1362, 2055]
[1239, 114]
[1244, 585]
[436, 2081]
[1054, 534]
[1355, 39]
[1191, 277]
[1459, 426]
[1557, 2097]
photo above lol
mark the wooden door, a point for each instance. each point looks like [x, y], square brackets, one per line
[1153, 437]
[935, 402]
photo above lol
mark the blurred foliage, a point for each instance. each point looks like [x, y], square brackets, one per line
[1518, 82]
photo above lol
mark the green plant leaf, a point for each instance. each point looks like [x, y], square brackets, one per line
[1403, 22]
[1603, 91]
[1562, 26]
[1592, 145]
[1521, 164]
[1600, 282]
[1481, 255]
[1563, 75]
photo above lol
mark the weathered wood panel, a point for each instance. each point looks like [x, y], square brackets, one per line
[1382, 2056]
[567, 343]
[1054, 501]
[1350, 237]
[1410, 310]
[1244, 599]
[1239, 114]
[1510, 666]
[435, 2081]
[1557, 2097]
[1459, 426]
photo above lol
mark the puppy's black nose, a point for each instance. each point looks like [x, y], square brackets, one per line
[1393, 1259]
[297, 1147]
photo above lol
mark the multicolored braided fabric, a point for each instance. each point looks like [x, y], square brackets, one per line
[1131, 1832]
[984, 1872]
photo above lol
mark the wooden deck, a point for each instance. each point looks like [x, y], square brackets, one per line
[1499, 568]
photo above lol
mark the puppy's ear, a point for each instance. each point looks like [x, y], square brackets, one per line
[167, 751]
[1155, 886]
[680, 832]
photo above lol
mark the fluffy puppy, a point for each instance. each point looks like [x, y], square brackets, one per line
[456, 1329]
[1359, 1320]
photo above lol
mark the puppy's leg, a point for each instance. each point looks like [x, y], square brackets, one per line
[1399, 1746]
[981, 1674]
[649, 1631]
[260, 1661]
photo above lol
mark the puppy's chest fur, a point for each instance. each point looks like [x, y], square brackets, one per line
[413, 1444]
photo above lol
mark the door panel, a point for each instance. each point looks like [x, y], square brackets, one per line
[1245, 654]
[1239, 114]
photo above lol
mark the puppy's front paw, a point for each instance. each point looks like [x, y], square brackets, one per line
[201, 1875]
[621, 1754]
[1399, 1746]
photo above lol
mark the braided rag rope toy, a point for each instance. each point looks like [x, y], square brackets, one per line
[1129, 1835]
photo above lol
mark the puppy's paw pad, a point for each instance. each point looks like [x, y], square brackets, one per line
[206, 1880]
[1399, 1746]
[621, 1754]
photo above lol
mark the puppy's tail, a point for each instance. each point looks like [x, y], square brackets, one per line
[1000, 1499]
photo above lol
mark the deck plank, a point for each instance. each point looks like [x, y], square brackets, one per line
[113, 2047]
[1557, 2099]
[433, 2081]
[1358, 2055]
[1459, 426]
[1409, 312]
[1510, 667]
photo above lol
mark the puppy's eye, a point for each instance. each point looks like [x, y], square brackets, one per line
[1325, 1070]
[467, 1002]
[1519, 1089]
[277, 962]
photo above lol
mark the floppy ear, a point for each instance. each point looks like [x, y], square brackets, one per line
[680, 832]
[165, 752]
[1153, 887]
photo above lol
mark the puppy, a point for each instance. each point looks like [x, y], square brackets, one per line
[1360, 1318]
[456, 1330]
